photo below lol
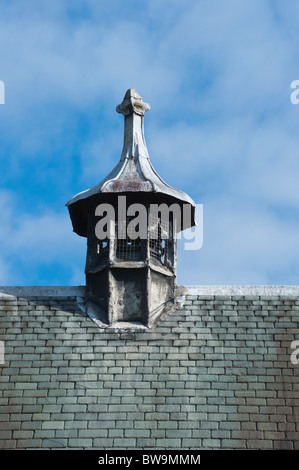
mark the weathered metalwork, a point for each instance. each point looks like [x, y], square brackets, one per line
[130, 281]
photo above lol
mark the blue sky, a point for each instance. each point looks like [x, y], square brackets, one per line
[221, 128]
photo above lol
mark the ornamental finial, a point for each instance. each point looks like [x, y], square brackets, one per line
[132, 103]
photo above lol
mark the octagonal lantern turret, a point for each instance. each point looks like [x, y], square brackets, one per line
[131, 220]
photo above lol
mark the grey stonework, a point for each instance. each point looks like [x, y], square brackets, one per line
[215, 374]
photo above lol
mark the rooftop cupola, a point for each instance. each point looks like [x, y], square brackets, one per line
[131, 220]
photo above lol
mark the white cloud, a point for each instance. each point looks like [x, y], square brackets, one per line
[242, 246]
[36, 242]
